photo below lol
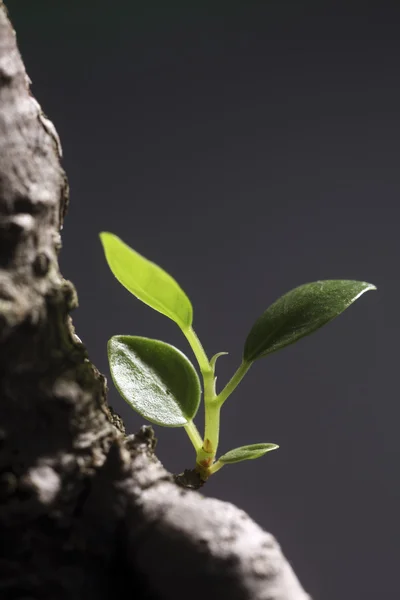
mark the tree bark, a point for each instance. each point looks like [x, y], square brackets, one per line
[87, 512]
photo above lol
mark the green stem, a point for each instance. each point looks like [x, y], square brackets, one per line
[198, 350]
[213, 404]
[211, 430]
[209, 387]
[215, 467]
[194, 435]
[233, 383]
[206, 455]
[205, 451]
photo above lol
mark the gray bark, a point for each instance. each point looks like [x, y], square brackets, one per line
[86, 511]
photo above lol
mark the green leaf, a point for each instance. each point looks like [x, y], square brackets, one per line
[247, 453]
[214, 359]
[156, 379]
[300, 312]
[147, 281]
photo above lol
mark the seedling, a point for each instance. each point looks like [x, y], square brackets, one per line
[160, 382]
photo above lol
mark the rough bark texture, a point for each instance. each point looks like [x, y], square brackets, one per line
[86, 512]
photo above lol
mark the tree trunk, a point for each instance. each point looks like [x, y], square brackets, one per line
[87, 512]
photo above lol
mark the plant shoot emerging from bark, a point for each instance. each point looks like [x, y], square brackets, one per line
[160, 382]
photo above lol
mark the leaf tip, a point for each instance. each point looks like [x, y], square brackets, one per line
[105, 235]
[367, 287]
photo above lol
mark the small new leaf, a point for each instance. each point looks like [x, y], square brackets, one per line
[300, 312]
[156, 379]
[246, 453]
[147, 281]
[214, 359]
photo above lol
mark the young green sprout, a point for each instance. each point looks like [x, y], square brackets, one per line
[160, 382]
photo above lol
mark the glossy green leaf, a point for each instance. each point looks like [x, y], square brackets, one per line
[156, 379]
[247, 453]
[147, 281]
[300, 312]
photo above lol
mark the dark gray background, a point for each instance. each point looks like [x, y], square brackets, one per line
[248, 148]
